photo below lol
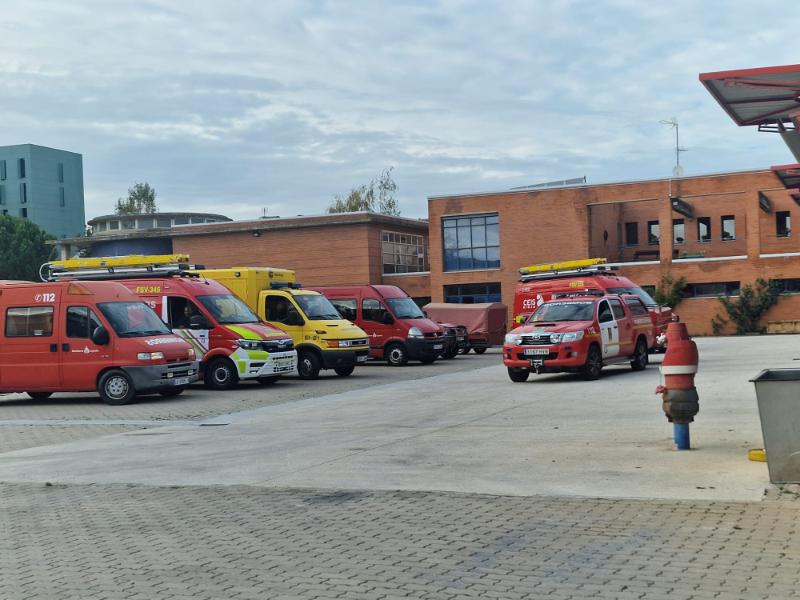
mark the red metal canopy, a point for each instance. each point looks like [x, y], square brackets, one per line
[789, 175]
[768, 97]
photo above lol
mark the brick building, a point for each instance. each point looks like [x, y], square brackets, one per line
[719, 231]
[338, 249]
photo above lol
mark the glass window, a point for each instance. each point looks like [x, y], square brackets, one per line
[2, 170]
[228, 309]
[788, 286]
[706, 290]
[703, 229]
[165, 222]
[616, 307]
[21, 168]
[23, 193]
[636, 307]
[471, 242]
[113, 225]
[678, 236]
[404, 308]
[316, 307]
[783, 223]
[60, 172]
[631, 234]
[101, 226]
[81, 322]
[29, 321]
[347, 307]
[2, 194]
[132, 319]
[181, 311]
[404, 253]
[604, 314]
[23, 212]
[128, 223]
[181, 220]
[563, 311]
[472, 293]
[61, 200]
[642, 294]
[373, 310]
[728, 227]
[652, 233]
[278, 309]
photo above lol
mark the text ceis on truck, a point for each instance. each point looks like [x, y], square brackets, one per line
[232, 342]
[86, 336]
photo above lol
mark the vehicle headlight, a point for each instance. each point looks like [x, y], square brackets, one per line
[556, 338]
[334, 343]
[191, 353]
[150, 356]
[249, 344]
[572, 336]
[415, 332]
[513, 339]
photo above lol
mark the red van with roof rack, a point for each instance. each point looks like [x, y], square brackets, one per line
[398, 330]
[540, 283]
[87, 336]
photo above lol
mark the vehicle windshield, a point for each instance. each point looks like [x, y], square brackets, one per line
[133, 319]
[404, 308]
[317, 307]
[563, 311]
[636, 291]
[227, 308]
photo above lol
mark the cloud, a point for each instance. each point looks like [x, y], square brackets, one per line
[282, 105]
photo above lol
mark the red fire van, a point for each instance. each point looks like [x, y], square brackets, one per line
[397, 328]
[86, 336]
[230, 339]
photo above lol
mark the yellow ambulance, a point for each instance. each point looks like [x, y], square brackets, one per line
[322, 338]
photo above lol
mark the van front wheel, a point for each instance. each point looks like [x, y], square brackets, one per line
[220, 374]
[116, 388]
[308, 365]
[396, 355]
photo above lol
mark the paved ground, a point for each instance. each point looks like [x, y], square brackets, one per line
[115, 542]
[339, 500]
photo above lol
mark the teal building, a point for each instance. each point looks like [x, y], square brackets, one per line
[43, 185]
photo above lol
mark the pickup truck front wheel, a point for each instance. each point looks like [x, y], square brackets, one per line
[594, 364]
[518, 375]
[640, 359]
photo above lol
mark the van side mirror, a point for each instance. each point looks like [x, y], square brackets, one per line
[100, 336]
[293, 317]
[387, 319]
[199, 322]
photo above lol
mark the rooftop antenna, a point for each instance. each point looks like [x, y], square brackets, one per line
[677, 170]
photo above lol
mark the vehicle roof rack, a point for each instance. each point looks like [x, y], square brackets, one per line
[115, 267]
[571, 268]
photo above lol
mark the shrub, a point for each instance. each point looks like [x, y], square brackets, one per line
[745, 312]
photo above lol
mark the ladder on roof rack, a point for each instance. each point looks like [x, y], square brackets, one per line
[115, 267]
[569, 268]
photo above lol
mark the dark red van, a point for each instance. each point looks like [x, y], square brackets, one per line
[397, 329]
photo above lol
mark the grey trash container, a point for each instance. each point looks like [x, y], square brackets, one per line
[778, 395]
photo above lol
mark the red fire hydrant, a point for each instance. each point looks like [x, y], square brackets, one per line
[680, 400]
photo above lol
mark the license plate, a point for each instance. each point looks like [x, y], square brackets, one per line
[438, 346]
[537, 351]
[361, 358]
[181, 381]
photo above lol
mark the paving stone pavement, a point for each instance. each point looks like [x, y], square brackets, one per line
[130, 542]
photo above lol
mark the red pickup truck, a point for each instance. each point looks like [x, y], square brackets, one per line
[580, 334]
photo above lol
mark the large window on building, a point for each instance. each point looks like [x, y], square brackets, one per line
[783, 223]
[403, 253]
[678, 233]
[472, 293]
[631, 234]
[471, 242]
[21, 168]
[728, 227]
[2, 170]
[652, 233]
[703, 229]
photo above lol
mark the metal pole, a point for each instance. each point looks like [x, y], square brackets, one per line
[681, 435]
[677, 147]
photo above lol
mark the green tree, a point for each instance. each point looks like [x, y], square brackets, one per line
[669, 291]
[141, 200]
[22, 248]
[376, 196]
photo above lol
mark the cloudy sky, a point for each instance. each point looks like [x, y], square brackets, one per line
[241, 105]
